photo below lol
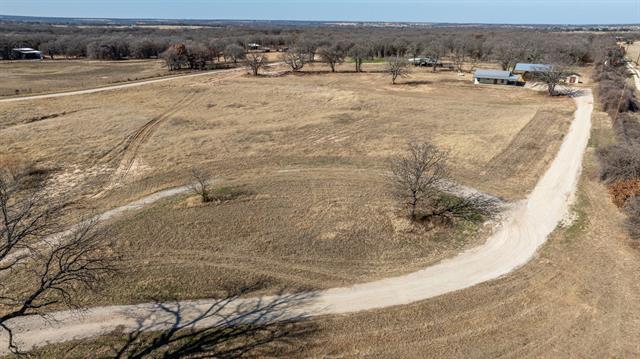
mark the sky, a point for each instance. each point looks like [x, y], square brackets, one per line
[458, 11]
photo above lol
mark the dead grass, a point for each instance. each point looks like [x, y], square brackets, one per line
[579, 298]
[307, 229]
[633, 51]
[307, 150]
[34, 77]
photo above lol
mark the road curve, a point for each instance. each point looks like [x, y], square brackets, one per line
[512, 245]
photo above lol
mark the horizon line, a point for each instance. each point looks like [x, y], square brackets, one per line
[85, 18]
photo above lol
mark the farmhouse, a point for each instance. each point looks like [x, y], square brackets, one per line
[528, 70]
[497, 77]
[26, 53]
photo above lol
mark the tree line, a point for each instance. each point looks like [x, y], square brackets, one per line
[620, 161]
[505, 46]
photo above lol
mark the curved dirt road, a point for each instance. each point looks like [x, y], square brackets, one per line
[513, 244]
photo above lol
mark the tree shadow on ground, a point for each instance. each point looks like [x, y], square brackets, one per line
[228, 328]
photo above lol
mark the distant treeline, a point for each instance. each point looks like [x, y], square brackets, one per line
[504, 45]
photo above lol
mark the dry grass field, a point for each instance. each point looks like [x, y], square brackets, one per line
[307, 155]
[633, 51]
[34, 77]
[578, 298]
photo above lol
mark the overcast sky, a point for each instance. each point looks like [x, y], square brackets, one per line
[476, 11]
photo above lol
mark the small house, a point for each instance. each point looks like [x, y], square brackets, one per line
[497, 77]
[26, 53]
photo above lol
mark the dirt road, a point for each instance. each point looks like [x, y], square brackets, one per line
[126, 85]
[114, 87]
[514, 243]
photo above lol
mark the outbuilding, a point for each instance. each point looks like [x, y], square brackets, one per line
[26, 53]
[527, 71]
[497, 77]
[574, 78]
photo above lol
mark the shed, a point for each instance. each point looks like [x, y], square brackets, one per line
[26, 53]
[574, 78]
[496, 77]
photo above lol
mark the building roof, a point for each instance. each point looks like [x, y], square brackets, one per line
[495, 74]
[26, 50]
[532, 67]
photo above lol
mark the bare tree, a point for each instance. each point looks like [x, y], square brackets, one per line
[359, 53]
[198, 56]
[332, 55]
[39, 271]
[233, 52]
[254, 61]
[216, 48]
[222, 330]
[459, 54]
[294, 58]
[458, 57]
[417, 173]
[552, 76]
[619, 162]
[308, 47]
[415, 49]
[397, 67]
[201, 185]
[435, 49]
[508, 53]
[175, 57]
[419, 178]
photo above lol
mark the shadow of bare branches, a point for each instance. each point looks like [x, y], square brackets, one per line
[228, 328]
